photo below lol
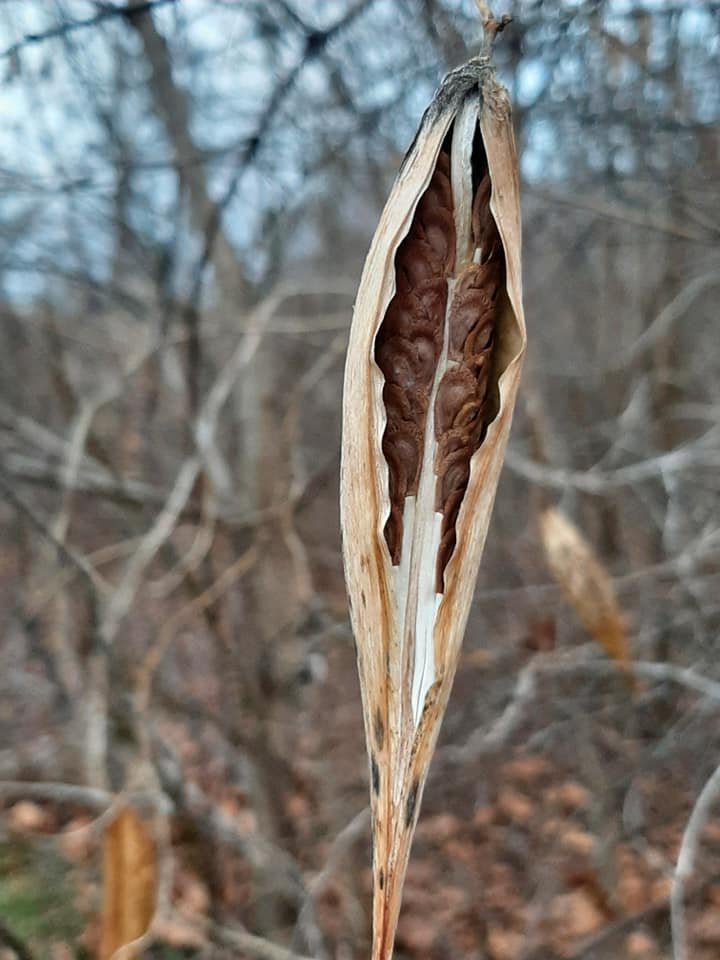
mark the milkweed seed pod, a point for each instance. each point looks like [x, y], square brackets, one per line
[587, 586]
[432, 371]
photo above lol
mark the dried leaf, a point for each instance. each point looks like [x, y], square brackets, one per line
[576, 914]
[129, 882]
[432, 371]
[587, 586]
[26, 817]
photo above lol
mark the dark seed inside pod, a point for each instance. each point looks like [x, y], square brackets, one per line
[409, 345]
[409, 341]
[464, 405]
[457, 387]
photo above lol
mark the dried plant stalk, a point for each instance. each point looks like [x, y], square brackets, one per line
[587, 586]
[129, 883]
[433, 366]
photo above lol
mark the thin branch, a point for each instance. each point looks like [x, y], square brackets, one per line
[76, 561]
[669, 315]
[152, 659]
[600, 482]
[121, 490]
[635, 218]
[316, 42]
[207, 420]
[527, 688]
[93, 798]
[491, 25]
[163, 527]
[10, 939]
[70, 26]
[587, 947]
[709, 795]
[80, 435]
[343, 842]
[253, 946]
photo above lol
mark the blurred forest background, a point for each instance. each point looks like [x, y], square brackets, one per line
[188, 189]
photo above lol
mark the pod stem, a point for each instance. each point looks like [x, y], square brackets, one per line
[491, 25]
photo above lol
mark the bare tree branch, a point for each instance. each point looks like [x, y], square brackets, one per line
[106, 12]
[709, 796]
[253, 946]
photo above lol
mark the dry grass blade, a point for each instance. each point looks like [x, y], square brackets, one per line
[432, 371]
[587, 586]
[129, 882]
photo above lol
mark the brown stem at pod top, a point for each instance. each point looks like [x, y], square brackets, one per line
[491, 25]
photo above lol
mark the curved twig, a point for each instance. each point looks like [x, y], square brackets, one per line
[10, 939]
[686, 862]
[491, 25]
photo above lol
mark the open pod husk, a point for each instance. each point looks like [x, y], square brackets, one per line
[587, 587]
[409, 608]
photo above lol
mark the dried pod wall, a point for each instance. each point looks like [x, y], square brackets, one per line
[432, 370]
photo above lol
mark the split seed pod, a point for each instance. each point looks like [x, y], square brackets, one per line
[432, 371]
[587, 586]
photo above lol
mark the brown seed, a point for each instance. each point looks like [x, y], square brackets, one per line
[408, 341]
[409, 348]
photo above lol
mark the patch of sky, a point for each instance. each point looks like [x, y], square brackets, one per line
[694, 25]
[323, 15]
[631, 7]
[547, 32]
[656, 94]
[623, 73]
[417, 97]
[538, 162]
[624, 160]
[50, 249]
[621, 151]
[532, 79]
[621, 28]
[597, 154]
[152, 216]
[214, 29]
[569, 74]
[707, 108]
[22, 286]
[314, 79]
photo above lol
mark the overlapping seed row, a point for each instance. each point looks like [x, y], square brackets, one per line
[463, 405]
[409, 341]
[409, 345]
